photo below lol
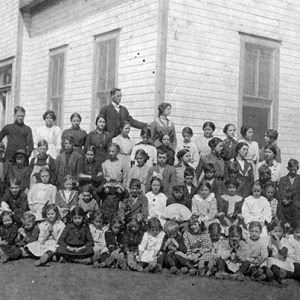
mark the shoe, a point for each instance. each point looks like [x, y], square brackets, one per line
[96, 264]
[270, 275]
[42, 261]
[219, 275]
[139, 268]
[257, 274]
[151, 266]
[3, 257]
[281, 276]
[201, 272]
[192, 272]
[239, 277]
[158, 268]
[174, 271]
[62, 260]
[184, 270]
[208, 273]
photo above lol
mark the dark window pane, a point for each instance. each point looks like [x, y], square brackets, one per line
[251, 56]
[264, 82]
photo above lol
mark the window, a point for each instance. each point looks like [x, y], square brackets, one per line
[6, 106]
[259, 77]
[56, 81]
[105, 69]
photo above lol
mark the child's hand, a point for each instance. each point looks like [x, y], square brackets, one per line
[221, 215]
[22, 231]
[139, 217]
[99, 174]
[106, 190]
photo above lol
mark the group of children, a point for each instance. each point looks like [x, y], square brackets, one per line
[138, 208]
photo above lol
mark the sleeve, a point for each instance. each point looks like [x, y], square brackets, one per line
[63, 136]
[173, 136]
[278, 154]
[194, 206]
[34, 236]
[103, 113]
[195, 156]
[266, 212]
[159, 242]
[187, 243]
[29, 141]
[63, 236]
[153, 130]
[44, 233]
[89, 238]
[30, 197]
[199, 168]
[212, 210]
[13, 235]
[134, 123]
[58, 140]
[53, 194]
[173, 179]
[148, 180]
[52, 167]
[87, 141]
[182, 246]
[143, 244]
[245, 212]
[3, 132]
[145, 211]
[110, 241]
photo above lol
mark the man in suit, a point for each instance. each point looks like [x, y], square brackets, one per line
[114, 114]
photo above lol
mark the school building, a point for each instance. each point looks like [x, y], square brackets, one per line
[225, 61]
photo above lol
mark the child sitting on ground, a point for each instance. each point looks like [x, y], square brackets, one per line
[132, 237]
[8, 235]
[150, 245]
[15, 200]
[50, 231]
[114, 258]
[98, 229]
[232, 256]
[76, 241]
[257, 251]
[136, 205]
[173, 251]
[199, 247]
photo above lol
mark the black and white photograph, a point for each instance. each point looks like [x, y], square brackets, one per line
[149, 149]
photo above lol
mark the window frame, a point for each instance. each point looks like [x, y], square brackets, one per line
[272, 104]
[61, 50]
[114, 34]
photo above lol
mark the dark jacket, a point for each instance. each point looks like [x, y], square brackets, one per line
[114, 119]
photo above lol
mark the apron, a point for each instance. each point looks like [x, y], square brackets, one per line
[36, 170]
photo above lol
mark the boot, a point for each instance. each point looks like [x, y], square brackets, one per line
[44, 259]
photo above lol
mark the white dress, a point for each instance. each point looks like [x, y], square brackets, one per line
[47, 240]
[99, 239]
[52, 135]
[39, 195]
[150, 246]
[157, 206]
[126, 145]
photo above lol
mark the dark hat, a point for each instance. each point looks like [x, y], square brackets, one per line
[20, 152]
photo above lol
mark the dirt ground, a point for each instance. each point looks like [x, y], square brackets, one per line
[21, 280]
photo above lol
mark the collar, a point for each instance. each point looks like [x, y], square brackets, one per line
[117, 106]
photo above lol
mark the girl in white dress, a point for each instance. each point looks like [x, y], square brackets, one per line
[50, 132]
[41, 193]
[50, 231]
[150, 245]
[157, 200]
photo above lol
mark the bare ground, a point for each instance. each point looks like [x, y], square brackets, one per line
[21, 280]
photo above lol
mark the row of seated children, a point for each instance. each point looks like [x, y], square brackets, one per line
[229, 208]
[152, 247]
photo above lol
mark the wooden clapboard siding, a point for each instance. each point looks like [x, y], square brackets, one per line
[137, 25]
[203, 59]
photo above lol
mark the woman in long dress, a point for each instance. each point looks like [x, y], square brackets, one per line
[51, 133]
[163, 126]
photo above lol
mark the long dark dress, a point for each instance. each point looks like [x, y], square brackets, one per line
[75, 236]
[100, 140]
